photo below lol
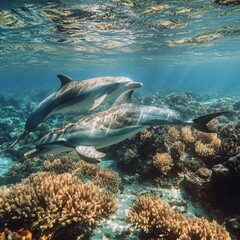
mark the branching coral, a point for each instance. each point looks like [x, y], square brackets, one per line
[59, 165]
[187, 135]
[101, 177]
[203, 144]
[163, 162]
[203, 150]
[49, 202]
[157, 220]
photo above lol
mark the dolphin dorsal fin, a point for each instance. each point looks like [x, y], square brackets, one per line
[64, 79]
[125, 97]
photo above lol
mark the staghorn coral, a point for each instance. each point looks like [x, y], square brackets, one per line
[157, 220]
[107, 179]
[174, 133]
[60, 165]
[203, 150]
[163, 162]
[187, 135]
[196, 143]
[101, 177]
[46, 203]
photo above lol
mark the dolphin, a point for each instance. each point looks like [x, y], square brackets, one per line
[121, 121]
[73, 95]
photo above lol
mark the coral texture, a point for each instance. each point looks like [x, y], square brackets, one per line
[49, 202]
[157, 220]
[163, 162]
[21, 234]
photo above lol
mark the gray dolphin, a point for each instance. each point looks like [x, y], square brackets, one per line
[119, 122]
[74, 95]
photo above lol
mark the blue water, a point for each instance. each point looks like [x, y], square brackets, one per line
[167, 45]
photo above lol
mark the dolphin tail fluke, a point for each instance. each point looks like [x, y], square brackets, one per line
[24, 133]
[200, 123]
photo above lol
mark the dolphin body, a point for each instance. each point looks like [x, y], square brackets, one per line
[74, 95]
[119, 122]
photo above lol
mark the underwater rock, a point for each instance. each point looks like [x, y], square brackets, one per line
[220, 171]
[193, 184]
[204, 173]
[230, 137]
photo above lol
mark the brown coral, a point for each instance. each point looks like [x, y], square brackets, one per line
[157, 220]
[204, 150]
[174, 133]
[50, 202]
[187, 135]
[163, 162]
[101, 177]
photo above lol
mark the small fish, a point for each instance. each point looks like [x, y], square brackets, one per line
[121, 121]
[73, 95]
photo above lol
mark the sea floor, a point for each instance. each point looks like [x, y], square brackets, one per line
[202, 179]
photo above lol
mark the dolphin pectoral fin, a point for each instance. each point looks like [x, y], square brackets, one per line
[64, 79]
[98, 101]
[56, 143]
[89, 154]
[125, 97]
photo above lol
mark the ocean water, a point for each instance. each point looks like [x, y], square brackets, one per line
[179, 45]
[186, 54]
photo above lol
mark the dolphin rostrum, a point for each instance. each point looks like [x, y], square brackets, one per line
[74, 95]
[122, 120]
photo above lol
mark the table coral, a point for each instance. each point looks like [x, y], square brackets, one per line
[157, 220]
[46, 203]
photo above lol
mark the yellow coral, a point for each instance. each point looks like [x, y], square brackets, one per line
[157, 220]
[107, 179]
[174, 133]
[187, 135]
[102, 177]
[204, 150]
[145, 134]
[50, 202]
[163, 162]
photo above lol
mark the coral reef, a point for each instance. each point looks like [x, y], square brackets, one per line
[206, 165]
[163, 162]
[157, 220]
[55, 203]
[101, 177]
[21, 234]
